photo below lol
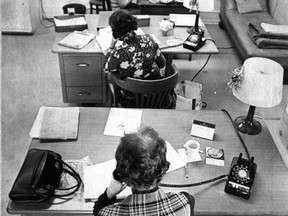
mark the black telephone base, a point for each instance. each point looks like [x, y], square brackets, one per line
[241, 177]
[194, 46]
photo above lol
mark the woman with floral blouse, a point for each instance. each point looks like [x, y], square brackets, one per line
[136, 56]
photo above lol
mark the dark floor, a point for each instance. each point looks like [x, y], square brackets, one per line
[31, 78]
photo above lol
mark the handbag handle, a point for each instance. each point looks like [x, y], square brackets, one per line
[72, 173]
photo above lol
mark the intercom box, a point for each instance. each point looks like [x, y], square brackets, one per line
[70, 28]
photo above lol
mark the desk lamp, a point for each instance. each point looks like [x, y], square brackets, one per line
[257, 83]
[193, 5]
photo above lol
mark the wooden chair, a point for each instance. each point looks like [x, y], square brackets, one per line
[95, 4]
[76, 8]
[147, 93]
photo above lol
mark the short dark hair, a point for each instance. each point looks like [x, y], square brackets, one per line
[122, 22]
[141, 158]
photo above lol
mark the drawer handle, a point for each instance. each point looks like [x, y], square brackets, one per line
[82, 65]
[84, 93]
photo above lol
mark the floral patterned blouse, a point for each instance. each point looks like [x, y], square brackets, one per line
[138, 56]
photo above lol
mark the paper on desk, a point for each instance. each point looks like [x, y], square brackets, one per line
[97, 177]
[122, 120]
[70, 22]
[104, 38]
[184, 19]
[194, 158]
[56, 123]
[77, 39]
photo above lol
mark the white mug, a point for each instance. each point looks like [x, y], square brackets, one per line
[192, 149]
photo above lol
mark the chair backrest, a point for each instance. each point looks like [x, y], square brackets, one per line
[108, 3]
[147, 93]
[76, 8]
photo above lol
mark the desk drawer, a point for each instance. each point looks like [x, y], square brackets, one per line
[84, 94]
[82, 70]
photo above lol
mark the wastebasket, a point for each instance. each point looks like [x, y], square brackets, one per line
[72, 9]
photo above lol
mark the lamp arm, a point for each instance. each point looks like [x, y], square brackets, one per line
[250, 114]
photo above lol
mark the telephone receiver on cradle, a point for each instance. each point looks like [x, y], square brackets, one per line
[241, 177]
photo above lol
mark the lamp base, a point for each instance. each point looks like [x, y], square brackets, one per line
[246, 126]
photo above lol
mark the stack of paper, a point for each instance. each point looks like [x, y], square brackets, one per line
[77, 39]
[56, 123]
[72, 21]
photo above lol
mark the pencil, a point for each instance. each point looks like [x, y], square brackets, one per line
[186, 172]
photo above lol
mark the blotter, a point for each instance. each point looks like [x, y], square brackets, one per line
[56, 123]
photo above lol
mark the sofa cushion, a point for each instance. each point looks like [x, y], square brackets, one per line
[248, 6]
[231, 4]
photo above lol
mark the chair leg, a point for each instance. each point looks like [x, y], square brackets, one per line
[97, 9]
[190, 57]
[91, 9]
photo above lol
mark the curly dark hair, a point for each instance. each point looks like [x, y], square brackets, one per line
[141, 158]
[122, 22]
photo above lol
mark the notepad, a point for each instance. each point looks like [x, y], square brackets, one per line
[56, 123]
[77, 39]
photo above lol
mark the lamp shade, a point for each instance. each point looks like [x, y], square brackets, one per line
[262, 84]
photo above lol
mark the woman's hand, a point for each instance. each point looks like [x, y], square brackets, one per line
[115, 188]
[113, 43]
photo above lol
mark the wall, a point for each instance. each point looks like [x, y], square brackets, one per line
[54, 7]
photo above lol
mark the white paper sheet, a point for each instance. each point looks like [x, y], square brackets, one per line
[185, 19]
[122, 120]
[70, 22]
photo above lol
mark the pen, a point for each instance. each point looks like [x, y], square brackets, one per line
[186, 171]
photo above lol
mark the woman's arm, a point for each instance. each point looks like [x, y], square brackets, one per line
[109, 196]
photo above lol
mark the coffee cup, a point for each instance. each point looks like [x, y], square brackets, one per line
[192, 149]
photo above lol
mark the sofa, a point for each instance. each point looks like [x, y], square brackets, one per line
[236, 22]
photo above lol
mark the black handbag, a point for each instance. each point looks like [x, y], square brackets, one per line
[40, 175]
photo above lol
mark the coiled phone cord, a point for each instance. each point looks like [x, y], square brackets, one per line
[193, 184]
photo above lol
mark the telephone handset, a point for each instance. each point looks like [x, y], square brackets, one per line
[241, 177]
[117, 176]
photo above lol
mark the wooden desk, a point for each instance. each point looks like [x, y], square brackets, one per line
[270, 189]
[82, 76]
[146, 7]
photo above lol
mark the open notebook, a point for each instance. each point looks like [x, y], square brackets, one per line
[97, 177]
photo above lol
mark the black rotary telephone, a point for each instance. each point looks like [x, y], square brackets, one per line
[241, 177]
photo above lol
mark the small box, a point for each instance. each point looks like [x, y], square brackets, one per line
[143, 20]
[80, 23]
[203, 129]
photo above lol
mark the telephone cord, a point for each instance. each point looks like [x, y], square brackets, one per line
[193, 184]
